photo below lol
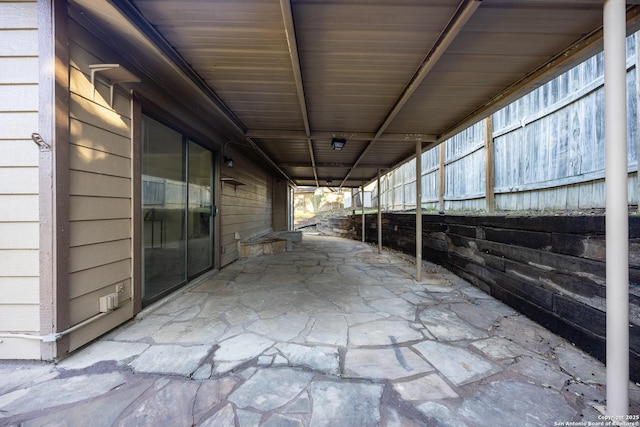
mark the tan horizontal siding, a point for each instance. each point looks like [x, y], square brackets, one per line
[105, 186]
[91, 136]
[82, 336]
[87, 305]
[244, 209]
[90, 232]
[89, 208]
[99, 162]
[90, 256]
[104, 276]
[86, 111]
[100, 205]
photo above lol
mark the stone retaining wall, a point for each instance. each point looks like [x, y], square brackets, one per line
[550, 268]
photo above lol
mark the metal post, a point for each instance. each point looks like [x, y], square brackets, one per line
[441, 177]
[362, 203]
[379, 216]
[617, 216]
[418, 210]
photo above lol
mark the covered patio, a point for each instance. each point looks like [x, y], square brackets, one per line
[331, 333]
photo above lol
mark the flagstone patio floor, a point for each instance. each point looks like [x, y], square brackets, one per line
[329, 334]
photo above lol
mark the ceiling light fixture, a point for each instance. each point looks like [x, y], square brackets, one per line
[338, 143]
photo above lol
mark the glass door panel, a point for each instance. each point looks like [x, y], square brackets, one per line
[199, 215]
[164, 195]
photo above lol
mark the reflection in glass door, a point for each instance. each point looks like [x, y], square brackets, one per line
[199, 215]
[163, 209]
[177, 231]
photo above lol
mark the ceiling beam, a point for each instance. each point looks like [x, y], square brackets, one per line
[290, 31]
[459, 19]
[354, 136]
[333, 165]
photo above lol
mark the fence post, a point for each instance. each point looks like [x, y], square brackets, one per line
[489, 171]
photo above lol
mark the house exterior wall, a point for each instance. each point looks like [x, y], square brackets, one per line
[246, 208]
[100, 193]
[19, 229]
[70, 225]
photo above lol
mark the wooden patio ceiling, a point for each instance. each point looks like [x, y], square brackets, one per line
[287, 76]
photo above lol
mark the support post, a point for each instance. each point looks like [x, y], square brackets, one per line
[617, 216]
[362, 203]
[637, 65]
[419, 210]
[379, 215]
[441, 187]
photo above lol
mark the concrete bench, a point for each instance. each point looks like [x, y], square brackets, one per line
[271, 243]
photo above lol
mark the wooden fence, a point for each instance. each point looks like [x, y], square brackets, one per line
[545, 151]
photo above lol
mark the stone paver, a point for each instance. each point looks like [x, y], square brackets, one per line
[445, 325]
[330, 334]
[171, 359]
[318, 358]
[328, 329]
[388, 363]
[16, 375]
[269, 389]
[383, 332]
[103, 351]
[429, 387]
[458, 365]
[239, 349]
[60, 391]
[516, 403]
[345, 404]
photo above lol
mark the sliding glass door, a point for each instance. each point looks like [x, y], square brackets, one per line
[199, 214]
[176, 209]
